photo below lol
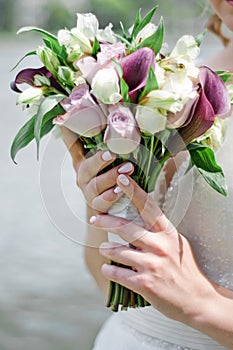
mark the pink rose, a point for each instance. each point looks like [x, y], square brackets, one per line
[83, 115]
[122, 135]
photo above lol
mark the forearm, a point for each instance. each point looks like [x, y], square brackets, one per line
[215, 317]
[94, 261]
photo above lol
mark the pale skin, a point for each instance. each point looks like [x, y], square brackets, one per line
[164, 268]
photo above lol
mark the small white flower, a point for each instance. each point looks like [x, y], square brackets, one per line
[187, 48]
[181, 85]
[214, 137]
[105, 86]
[106, 34]
[30, 95]
[63, 37]
[78, 38]
[150, 120]
[87, 24]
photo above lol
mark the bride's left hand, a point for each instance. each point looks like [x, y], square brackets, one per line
[164, 270]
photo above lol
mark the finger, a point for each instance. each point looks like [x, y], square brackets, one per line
[127, 230]
[121, 254]
[74, 145]
[151, 214]
[104, 201]
[107, 180]
[92, 166]
[126, 277]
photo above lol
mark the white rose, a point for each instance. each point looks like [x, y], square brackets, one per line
[105, 86]
[150, 120]
[181, 85]
[87, 24]
[187, 48]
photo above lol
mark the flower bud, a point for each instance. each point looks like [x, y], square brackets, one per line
[105, 86]
[30, 95]
[49, 59]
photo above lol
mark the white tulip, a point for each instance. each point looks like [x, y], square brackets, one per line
[105, 86]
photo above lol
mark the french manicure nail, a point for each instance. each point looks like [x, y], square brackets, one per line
[106, 156]
[117, 190]
[125, 168]
[123, 180]
[92, 219]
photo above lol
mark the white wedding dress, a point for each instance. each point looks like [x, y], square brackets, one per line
[206, 219]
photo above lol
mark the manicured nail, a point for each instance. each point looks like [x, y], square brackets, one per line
[117, 190]
[125, 168]
[92, 219]
[123, 180]
[106, 156]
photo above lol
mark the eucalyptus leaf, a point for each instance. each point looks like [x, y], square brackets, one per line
[46, 105]
[155, 41]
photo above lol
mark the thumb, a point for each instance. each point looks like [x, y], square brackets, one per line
[74, 145]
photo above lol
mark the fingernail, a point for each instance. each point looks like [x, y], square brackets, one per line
[125, 168]
[106, 156]
[117, 190]
[92, 219]
[123, 180]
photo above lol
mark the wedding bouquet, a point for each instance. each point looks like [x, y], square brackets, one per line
[129, 94]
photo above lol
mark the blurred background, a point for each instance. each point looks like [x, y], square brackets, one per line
[48, 300]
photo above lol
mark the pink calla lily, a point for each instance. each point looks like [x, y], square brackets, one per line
[214, 100]
[135, 68]
[26, 76]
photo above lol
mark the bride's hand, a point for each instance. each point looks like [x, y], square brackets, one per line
[164, 270]
[100, 191]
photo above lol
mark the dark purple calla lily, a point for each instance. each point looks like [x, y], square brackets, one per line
[135, 68]
[26, 76]
[214, 100]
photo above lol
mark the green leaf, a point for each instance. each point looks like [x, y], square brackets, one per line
[24, 136]
[96, 47]
[137, 22]
[224, 75]
[36, 29]
[151, 83]
[124, 90]
[50, 41]
[145, 21]
[46, 106]
[199, 38]
[155, 41]
[204, 159]
[27, 54]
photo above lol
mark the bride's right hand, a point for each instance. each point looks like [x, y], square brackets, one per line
[99, 190]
